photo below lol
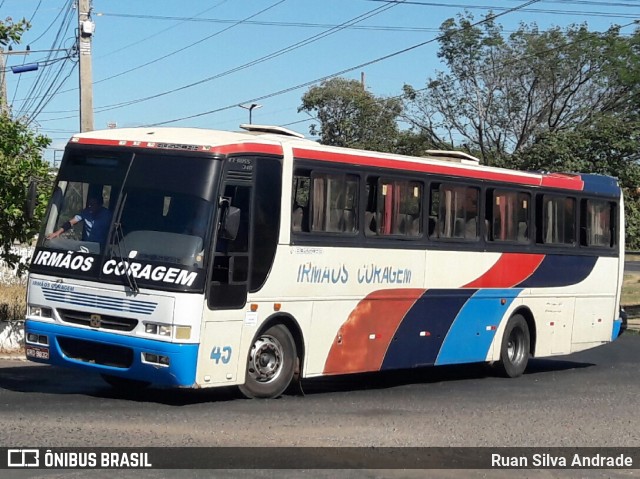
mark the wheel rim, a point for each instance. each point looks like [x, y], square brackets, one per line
[265, 359]
[515, 346]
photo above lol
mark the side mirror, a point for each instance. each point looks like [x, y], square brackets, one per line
[31, 200]
[231, 223]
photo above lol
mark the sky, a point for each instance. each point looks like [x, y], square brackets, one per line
[192, 63]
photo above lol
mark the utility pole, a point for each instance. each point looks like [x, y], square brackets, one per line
[4, 102]
[86, 28]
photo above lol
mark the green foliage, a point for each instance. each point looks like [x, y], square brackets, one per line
[11, 32]
[350, 116]
[500, 94]
[20, 162]
[609, 146]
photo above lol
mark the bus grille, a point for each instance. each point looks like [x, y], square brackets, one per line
[113, 323]
[96, 353]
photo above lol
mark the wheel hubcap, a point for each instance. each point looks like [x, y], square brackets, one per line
[515, 348]
[265, 360]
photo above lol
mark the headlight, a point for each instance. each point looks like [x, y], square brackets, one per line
[40, 311]
[151, 328]
[160, 329]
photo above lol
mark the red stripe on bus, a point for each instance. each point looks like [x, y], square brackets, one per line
[569, 182]
[554, 181]
[95, 141]
[379, 314]
[248, 148]
[510, 270]
[223, 149]
[411, 166]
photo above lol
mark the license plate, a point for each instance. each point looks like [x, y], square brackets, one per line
[37, 353]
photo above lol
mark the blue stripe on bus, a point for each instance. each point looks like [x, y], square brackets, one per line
[474, 329]
[560, 270]
[180, 372]
[602, 185]
[617, 327]
[420, 335]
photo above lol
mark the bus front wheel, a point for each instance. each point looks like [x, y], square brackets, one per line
[271, 364]
[516, 343]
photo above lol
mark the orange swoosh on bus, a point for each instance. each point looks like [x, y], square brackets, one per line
[510, 270]
[362, 341]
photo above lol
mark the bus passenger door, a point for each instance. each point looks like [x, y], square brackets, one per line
[231, 265]
[228, 286]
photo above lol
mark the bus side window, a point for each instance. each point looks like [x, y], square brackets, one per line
[300, 207]
[457, 212]
[558, 218]
[434, 208]
[371, 211]
[597, 222]
[400, 209]
[334, 203]
[509, 216]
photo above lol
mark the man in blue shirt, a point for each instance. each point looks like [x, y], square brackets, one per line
[97, 220]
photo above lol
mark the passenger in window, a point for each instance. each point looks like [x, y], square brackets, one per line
[296, 217]
[471, 213]
[96, 218]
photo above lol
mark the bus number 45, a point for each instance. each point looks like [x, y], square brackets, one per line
[221, 354]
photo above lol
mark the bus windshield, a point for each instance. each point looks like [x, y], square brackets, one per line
[110, 219]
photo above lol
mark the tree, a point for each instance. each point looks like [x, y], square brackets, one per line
[499, 95]
[609, 146]
[11, 31]
[351, 116]
[20, 163]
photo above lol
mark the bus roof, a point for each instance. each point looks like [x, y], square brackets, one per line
[272, 140]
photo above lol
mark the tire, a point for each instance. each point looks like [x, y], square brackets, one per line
[516, 344]
[124, 384]
[270, 364]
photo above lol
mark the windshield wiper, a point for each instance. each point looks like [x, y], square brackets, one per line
[128, 274]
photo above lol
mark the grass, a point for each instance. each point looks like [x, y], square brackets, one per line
[12, 302]
[631, 289]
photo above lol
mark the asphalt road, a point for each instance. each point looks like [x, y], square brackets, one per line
[585, 399]
[632, 266]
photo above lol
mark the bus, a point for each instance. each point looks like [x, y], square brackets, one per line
[258, 258]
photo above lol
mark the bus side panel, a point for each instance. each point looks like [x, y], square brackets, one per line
[597, 308]
[220, 353]
[472, 335]
[553, 318]
[593, 322]
[404, 328]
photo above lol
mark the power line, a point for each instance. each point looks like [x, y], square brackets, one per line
[275, 24]
[270, 56]
[239, 22]
[49, 96]
[180, 49]
[497, 66]
[47, 78]
[53, 22]
[494, 8]
[346, 70]
[160, 32]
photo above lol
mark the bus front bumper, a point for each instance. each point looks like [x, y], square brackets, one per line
[158, 362]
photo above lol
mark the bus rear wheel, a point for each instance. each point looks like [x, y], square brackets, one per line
[514, 350]
[271, 364]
